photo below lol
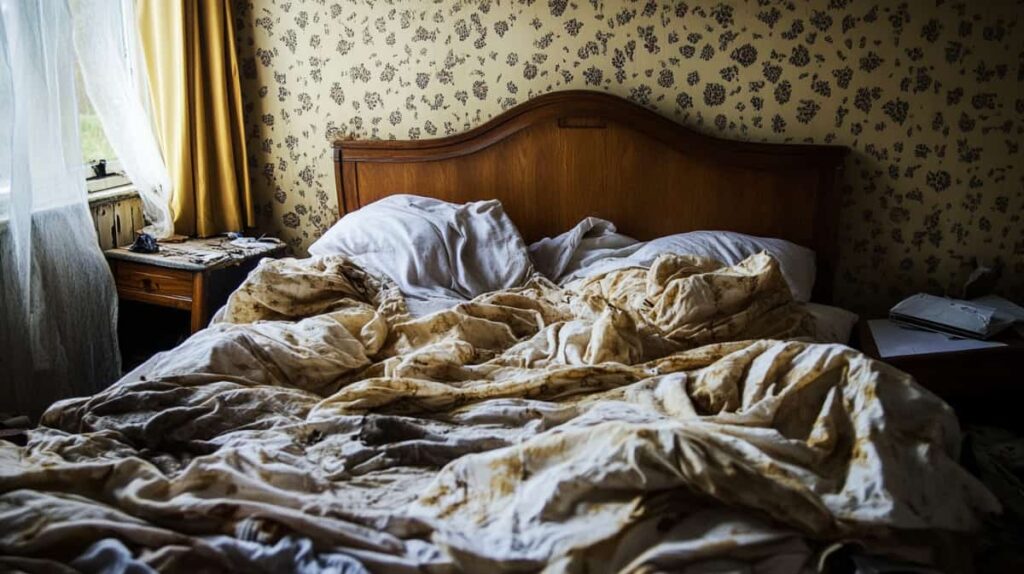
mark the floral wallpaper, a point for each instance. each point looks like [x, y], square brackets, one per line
[928, 94]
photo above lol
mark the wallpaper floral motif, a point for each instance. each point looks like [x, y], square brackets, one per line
[928, 94]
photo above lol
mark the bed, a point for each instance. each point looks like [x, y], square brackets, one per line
[668, 417]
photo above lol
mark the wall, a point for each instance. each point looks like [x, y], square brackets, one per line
[928, 94]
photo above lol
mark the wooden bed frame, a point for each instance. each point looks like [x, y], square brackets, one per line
[566, 155]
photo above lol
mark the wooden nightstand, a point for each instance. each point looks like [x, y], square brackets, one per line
[983, 385]
[195, 276]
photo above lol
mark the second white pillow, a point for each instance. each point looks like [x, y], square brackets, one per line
[592, 247]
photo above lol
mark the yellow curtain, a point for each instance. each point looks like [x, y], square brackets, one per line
[189, 48]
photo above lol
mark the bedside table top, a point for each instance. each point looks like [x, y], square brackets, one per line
[200, 254]
[983, 384]
[887, 340]
[1006, 343]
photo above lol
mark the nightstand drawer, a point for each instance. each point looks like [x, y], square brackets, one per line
[149, 284]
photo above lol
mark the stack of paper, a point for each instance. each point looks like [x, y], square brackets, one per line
[963, 318]
[1005, 309]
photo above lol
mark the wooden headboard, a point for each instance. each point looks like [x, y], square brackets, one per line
[566, 155]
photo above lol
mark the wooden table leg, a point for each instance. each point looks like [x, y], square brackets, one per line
[198, 301]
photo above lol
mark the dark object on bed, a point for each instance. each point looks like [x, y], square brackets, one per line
[15, 436]
[566, 155]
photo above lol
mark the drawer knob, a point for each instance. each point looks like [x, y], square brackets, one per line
[147, 284]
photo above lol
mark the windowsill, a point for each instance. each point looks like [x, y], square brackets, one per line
[95, 198]
[111, 180]
[112, 195]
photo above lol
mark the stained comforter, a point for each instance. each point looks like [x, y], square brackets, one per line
[648, 419]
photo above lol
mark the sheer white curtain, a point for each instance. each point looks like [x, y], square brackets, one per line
[110, 56]
[58, 304]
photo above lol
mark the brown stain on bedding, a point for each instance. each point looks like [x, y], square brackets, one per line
[508, 474]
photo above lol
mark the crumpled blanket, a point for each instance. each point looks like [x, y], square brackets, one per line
[644, 420]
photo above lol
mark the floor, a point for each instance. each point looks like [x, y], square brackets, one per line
[996, 456]
[144, 330]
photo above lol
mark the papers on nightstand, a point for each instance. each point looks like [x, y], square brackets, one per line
[894, 340]
[950, 316]
[1006, 310]
[256, 242]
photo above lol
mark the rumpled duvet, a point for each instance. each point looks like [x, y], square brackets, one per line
[671, 418]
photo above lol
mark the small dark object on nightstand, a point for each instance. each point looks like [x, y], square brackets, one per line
[144, 243]
[99, 169]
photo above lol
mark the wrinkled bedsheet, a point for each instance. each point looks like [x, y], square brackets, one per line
[647, 419]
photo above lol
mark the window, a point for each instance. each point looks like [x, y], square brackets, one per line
[6, 118]
[95, 146]
[104, 170]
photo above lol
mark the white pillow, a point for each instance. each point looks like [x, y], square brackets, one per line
[438, 253]
[832, 324]
[585, 260]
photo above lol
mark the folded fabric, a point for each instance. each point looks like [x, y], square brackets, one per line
[587, 242]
